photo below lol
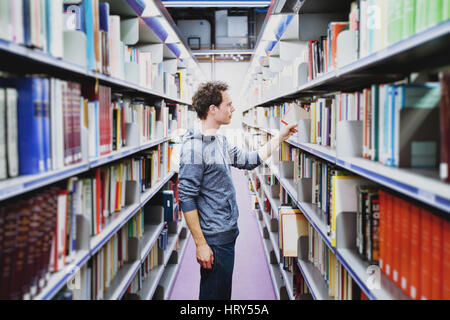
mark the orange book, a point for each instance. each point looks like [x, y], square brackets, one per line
[382, 228]
[425, 256]
[446, 261]
[336, 28]
[396, 240]
[389, 237]
[405, 253]
[414, 267]
[436, 256]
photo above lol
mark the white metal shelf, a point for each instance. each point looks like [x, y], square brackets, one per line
[274, 270]
[402, 56]
[314, 280]
[46, 60]
[13, 187]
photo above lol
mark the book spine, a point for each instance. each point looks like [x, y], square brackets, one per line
[415, 246]
[436, 256]
[11, 132]
[76, 121]
[445, 126]
[45, 108]
[10, 233]
[3, 129]
[29, 116]
[405, 249]
[426, 255]
[446, 261]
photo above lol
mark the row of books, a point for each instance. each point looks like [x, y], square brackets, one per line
[293, 225]
[300, 286]
[404, 125]
[341, 285]
[150, 263]
[414, 248]
[55, 27]
[372, 26]
[65, 218]
[48, 124]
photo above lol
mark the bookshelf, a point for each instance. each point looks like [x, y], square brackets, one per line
[271, 83]
[19, 59]
[269, 241]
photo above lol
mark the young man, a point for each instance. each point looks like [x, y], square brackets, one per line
[206, 190]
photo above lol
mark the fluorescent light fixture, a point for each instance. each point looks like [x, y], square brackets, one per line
[151, 10]
[183, 4]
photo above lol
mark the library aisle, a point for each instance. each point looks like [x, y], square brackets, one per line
[251, 277]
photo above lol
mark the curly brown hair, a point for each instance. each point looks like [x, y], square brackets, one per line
[209, 93]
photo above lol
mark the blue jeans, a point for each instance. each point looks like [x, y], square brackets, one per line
[216, 283]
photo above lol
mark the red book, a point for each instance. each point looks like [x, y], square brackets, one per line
[405, 248]
[389, 235]
[436, 256]
[75, 94]
[382, 195]
[336, 28]
[425, 256]
[446, 261]
[396, 240]
[9, 239]
[67, 120]
[415, 246]
[24, 245]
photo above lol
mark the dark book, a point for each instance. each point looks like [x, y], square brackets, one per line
[373, 248]
[445, 126]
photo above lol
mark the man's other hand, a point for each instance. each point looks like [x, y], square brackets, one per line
[205, 256]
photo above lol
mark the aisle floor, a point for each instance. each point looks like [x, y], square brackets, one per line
[251, 276]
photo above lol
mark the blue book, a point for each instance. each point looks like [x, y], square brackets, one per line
[104, 16]
[89, 24]
[45, 109]
[27, 22]
[168, 202]
[30, 126]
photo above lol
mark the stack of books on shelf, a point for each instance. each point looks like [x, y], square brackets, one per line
[110, 43]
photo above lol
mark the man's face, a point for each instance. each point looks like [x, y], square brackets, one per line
[224, 112]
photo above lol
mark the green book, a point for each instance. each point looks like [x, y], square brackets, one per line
[435, 15]
[395, 21]
[421, 14]
[409, 18]
[445, 10]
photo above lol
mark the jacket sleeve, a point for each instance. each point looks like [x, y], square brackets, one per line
[242, 159]
[190, 176]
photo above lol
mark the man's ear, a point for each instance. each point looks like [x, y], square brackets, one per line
[211, 108]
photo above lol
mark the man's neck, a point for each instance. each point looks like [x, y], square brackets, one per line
[209, 127]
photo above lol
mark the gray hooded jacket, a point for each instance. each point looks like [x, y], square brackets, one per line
[205, 183]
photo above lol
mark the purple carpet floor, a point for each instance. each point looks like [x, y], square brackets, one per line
[251, 277]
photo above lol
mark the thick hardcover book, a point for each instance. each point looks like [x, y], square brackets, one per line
[3, 162]
[45, 109]
[445, 126]
[30, 126]
[68, 123]
[426, 255]
[10, 232]
[11, 132]
[415, 246]
[446, 261]
[436, 256]
[405, 246]
[75, 97]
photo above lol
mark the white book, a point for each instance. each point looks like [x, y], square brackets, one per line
[3, 163]
[57, 124]
[107, 210]
[55, 27]
[5, 20]
[114, 45]
[17, 21]
[11, 132]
